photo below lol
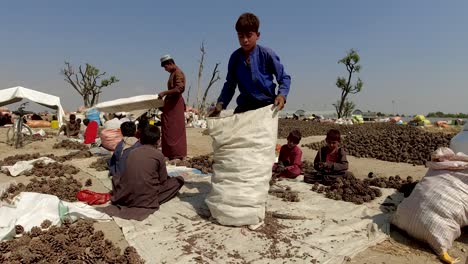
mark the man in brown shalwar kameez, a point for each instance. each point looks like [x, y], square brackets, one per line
[144, 184]
[174, 141]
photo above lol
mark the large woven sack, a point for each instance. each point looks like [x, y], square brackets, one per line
[38, 123]
[244, 152]
[436, 210]
[110, 138]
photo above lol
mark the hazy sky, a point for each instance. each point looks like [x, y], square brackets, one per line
[412, 52]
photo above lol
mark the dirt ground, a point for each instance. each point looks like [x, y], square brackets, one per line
[399, 248]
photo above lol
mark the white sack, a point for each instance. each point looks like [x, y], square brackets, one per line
[25, 165]
[437, 209]
[113, 123]
[31, 209]
[244, 152]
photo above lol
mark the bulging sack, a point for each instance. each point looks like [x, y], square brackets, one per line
[436, 210]
[110, 138]
[244, 152]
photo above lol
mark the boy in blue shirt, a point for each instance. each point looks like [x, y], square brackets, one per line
[252, 68]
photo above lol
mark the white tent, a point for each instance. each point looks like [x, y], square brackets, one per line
[18, 93]
[136, 105]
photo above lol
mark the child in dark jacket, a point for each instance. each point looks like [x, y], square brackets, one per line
[330, 161]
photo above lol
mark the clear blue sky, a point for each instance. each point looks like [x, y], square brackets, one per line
[412, 52]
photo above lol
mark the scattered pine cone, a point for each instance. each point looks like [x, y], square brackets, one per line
[46, 224]
[68, 144]
[88, 182]
[19, 229]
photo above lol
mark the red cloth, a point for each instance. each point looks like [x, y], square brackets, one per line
[292, 160]
[332, 156]
[93, 198]
[173, 139]
[91, 132]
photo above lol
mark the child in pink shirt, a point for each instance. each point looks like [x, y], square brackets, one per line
[290, 157]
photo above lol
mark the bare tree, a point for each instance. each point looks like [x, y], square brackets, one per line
[214, 78]
[86, 82]
[200, 71]
[188, 94]
[351, 62]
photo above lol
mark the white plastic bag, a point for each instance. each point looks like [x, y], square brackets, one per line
[436, 210]
[25, 165]
[244, 152]
[31, 209]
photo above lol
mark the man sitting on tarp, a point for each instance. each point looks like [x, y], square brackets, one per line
[144, 184]
[72, 128]
[91, 131]
[124, 147]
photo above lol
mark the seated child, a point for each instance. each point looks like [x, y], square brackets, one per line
[72, 128]
[144, 185]
[289, 161]
[330, 161]
[124, 147]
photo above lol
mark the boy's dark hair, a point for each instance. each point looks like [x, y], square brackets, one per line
[78, 120]
[150, 135]
[128, 129]
[247, 22]
[333, 135]
[295, 136]
[142, 123]
[164, 63]
[54, 117]
[72, 116]
[86, 121]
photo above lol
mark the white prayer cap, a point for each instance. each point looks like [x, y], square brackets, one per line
[166, 58]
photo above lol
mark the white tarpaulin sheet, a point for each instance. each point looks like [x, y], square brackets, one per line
[31, 209]
[18, 93]
[134, 105]
[330, 230]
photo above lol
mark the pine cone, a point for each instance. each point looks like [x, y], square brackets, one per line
[36, 231]
[88, 182]
[97, 236]
[3, 247]
[19, 229]
[46, 224]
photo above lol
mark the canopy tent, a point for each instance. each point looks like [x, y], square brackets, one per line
[135, 105]
[18, 93]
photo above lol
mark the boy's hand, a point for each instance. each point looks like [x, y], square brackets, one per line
[321, 165]
[215, 111]
[280, 167]
[161, 94]
[279, 102]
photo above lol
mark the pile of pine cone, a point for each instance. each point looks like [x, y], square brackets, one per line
[69, 243]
